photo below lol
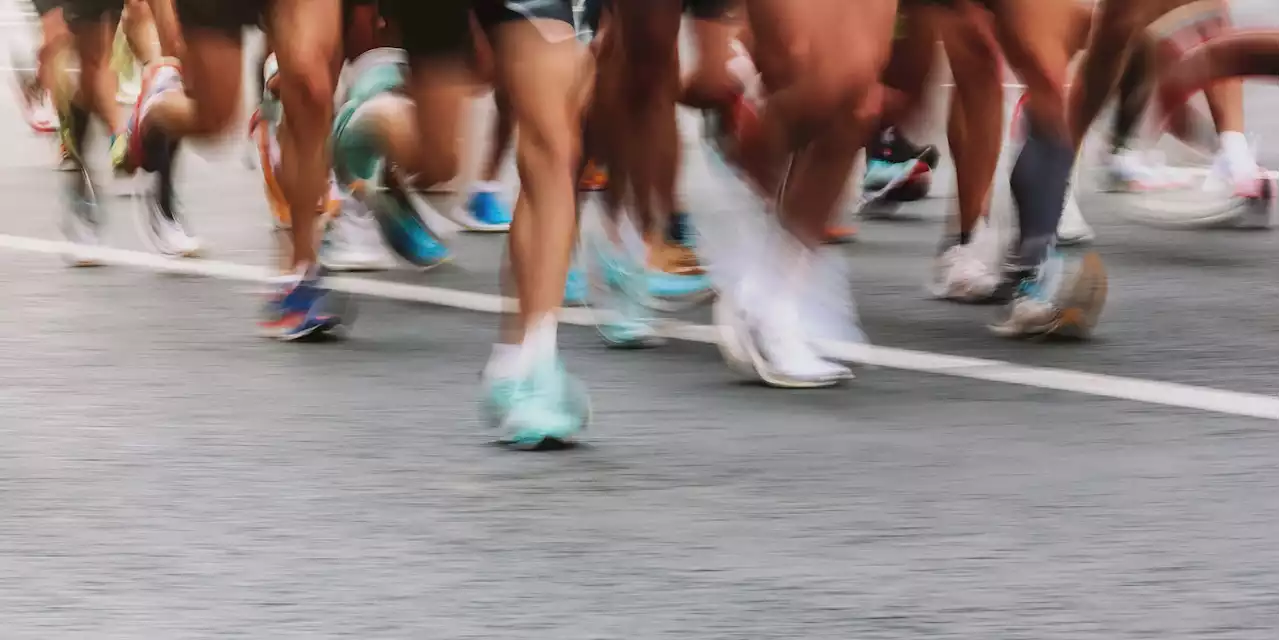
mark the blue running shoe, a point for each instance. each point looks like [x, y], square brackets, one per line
[575, 287]
[304, 309]
[405, 230]
[545, 409]
[627, 322]
[484, 212]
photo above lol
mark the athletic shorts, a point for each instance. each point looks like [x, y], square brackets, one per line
[45, 6]
[377, 72]
[77, 12]
[227, 16]
[442, 28]
[709, 9]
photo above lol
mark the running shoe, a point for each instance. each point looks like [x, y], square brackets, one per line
[302, 308]
[575, 287]
[1231, 195]
[65, 161]
[545, 408]
[1072, 228]
[676, 279]
[352, 241]
[680, 230]
[840, 234]
[1061, 297]
[404, 228]
[626, 322]
[36, 103]
[960, 275]
[484, 211]
[161, 222]
[73, 123]
[882, 179]
[40, 113]
[80, 222]
[769, 343]
[1258, 207]
[594, 178]
[164, 229]
[892, 154]
[1252, 192]
[1129, 171]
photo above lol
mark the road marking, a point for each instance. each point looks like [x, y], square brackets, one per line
[1135, 389]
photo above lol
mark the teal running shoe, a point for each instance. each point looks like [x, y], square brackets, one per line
[626, 322]
[575, 287]
[545, 409]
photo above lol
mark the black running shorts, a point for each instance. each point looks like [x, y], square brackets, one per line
[699, 9]
[442, 28]
[431, 29]
[228, 16]
[491, 13]
[709, 9]
[79, 12]
[45, 6]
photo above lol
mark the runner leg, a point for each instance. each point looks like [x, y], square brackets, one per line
[540, 68]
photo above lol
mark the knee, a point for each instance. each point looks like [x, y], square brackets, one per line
[552, 148]
[306, 89]
[54, 44]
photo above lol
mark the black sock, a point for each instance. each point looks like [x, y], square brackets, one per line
[1131, 100]
[79, 127]
[164, 180]
[1039, 185]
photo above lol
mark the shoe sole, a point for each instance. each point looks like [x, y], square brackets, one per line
[582, 401]
[1179, 216]
[1078, 312]
[152, 239]
[742, 357]
[338, 267]
[311, 334]
[1075, 240]
[681, 303]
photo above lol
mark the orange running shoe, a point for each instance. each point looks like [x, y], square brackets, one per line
[594, 178]
[841, 234]
[675, 259]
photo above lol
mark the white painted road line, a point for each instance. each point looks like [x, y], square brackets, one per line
[1134, 389]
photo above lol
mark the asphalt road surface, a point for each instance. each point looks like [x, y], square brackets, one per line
[165, 474]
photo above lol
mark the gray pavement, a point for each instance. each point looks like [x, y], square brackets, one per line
[164, 474]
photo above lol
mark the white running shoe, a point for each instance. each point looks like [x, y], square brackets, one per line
[770, 345]
[1129, 171]
[1072, 228]
[353, 241]
[1251, 191]
[961, 275]
[167, 234]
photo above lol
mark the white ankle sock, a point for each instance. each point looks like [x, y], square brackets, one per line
[539, 343]
[504, 361]
[1236, 151]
